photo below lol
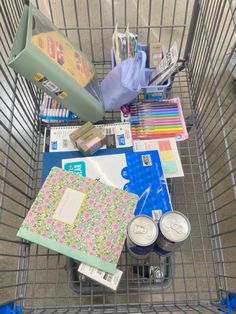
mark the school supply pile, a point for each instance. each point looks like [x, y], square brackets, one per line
[52, 110]
[84, 209]
[140, 173]
[80, 218]
[118, 139]
[151, 120]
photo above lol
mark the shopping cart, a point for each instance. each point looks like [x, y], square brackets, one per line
[201, 276]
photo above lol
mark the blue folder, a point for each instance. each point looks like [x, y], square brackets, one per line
[145, 180]
[54, 159]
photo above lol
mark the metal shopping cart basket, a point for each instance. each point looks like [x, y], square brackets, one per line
[201, 276]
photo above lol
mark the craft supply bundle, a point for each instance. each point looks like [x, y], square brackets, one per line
[105, 187]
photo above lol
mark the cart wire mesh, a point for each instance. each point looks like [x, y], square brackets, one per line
[202, 272]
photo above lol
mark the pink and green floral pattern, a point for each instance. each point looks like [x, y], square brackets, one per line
[101, 223]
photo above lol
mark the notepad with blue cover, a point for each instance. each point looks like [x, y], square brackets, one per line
[140, 173]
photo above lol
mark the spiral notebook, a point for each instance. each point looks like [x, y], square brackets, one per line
[118, 135]
[80, 218]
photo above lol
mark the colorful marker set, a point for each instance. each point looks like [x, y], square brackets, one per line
[51, 109]
[124, 45]
[151, 120]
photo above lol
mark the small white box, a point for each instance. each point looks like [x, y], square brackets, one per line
[106, 279]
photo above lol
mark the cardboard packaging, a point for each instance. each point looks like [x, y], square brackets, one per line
[88, 139]
[108, 280]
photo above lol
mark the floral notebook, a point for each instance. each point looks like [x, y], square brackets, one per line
[81, 218]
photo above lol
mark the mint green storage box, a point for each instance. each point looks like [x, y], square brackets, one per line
[44, 56]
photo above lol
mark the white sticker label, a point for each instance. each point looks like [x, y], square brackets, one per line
[147, 160]
[69, 206]
[51, 86]
[109, 280]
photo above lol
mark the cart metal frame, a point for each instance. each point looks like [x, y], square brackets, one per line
[202, 278]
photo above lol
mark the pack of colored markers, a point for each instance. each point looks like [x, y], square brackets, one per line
[125, 45]
[158, 119]
[52, 109]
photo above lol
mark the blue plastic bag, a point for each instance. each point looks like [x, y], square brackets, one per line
[123, 83]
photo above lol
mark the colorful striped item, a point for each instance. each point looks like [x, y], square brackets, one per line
[152, 120]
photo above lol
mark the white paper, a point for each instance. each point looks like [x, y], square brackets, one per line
[105, 168]
[69, 206]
